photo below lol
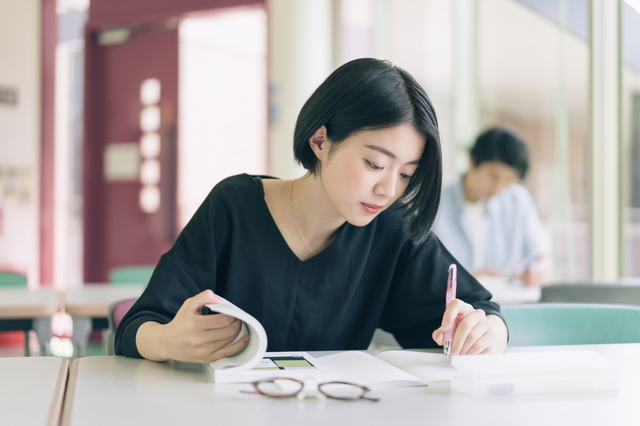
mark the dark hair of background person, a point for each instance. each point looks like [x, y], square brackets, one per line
[372, 94]
[503, 145]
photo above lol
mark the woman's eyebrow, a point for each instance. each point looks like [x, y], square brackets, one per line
[389, 153]
[382, 150]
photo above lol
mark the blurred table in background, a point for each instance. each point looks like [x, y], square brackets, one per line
[507, 292]
[27, 309]
[91, 302]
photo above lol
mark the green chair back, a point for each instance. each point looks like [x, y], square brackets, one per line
[571, 324]
[12, 279]
[131, 275]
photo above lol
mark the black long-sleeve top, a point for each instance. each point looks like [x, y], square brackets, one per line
[371, 276]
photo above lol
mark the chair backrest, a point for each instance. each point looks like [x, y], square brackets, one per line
[117, 311]
[591, 293]
[12, 279]
[571, 324]
[131, 274]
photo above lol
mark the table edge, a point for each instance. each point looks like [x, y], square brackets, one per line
[70, 393]
[58, 398]
[88, 310]
[23, 312]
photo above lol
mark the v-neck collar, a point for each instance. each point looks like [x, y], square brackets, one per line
[276, 230]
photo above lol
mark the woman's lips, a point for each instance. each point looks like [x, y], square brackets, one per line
[371, 208]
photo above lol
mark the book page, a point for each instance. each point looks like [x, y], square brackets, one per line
[253, 351]
[428, 367]
[365, 369]
[297, 365]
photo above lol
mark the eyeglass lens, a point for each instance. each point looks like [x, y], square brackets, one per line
[286, 387]
[279, 388]
[340, 390]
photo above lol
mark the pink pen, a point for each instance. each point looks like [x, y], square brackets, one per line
[452, 282]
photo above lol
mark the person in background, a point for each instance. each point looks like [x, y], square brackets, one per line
[487, 220]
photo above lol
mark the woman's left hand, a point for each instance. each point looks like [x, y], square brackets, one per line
[475, 332]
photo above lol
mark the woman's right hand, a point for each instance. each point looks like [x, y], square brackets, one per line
[191, 336]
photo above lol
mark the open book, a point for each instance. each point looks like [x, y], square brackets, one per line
[252, 363]
[519, 372]
[385, 369]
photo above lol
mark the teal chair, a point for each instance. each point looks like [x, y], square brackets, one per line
[571, 324]
[12, 279]
[131, 275]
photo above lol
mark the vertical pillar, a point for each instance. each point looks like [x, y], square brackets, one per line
[336, 33]
[466, 106]
[300, 58]
[49, 38]
[605, 140]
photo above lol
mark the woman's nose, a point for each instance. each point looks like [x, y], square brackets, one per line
[386, 186]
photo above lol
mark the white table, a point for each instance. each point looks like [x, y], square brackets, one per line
[516, 295]
[22, 308]
[32, 390]
[509, 293]
[93, 301]
[125, 391]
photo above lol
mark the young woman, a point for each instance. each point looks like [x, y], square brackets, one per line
[323, 260]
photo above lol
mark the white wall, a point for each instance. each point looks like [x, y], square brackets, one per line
[20, 137]
[421, 40]
[68, 242]
[223, 102]
[300, 59]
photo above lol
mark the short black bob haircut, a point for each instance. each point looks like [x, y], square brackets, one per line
[372, 94]
[503, 145]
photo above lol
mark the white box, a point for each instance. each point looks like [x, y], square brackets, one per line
[534, 372]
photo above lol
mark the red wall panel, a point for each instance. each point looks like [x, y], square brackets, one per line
[116, 231]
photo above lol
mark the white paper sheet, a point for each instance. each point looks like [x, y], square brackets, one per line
[365, 369]
[427, 367]
[225, 369]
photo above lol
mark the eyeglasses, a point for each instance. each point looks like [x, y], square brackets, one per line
[285, 387]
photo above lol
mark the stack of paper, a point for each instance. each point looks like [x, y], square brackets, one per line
[534, 372]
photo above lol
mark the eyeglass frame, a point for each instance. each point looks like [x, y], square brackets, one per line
[364, 396]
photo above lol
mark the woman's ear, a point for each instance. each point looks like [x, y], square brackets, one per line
[319, 142]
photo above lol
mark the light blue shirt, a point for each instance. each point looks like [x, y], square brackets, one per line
[512, 228]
